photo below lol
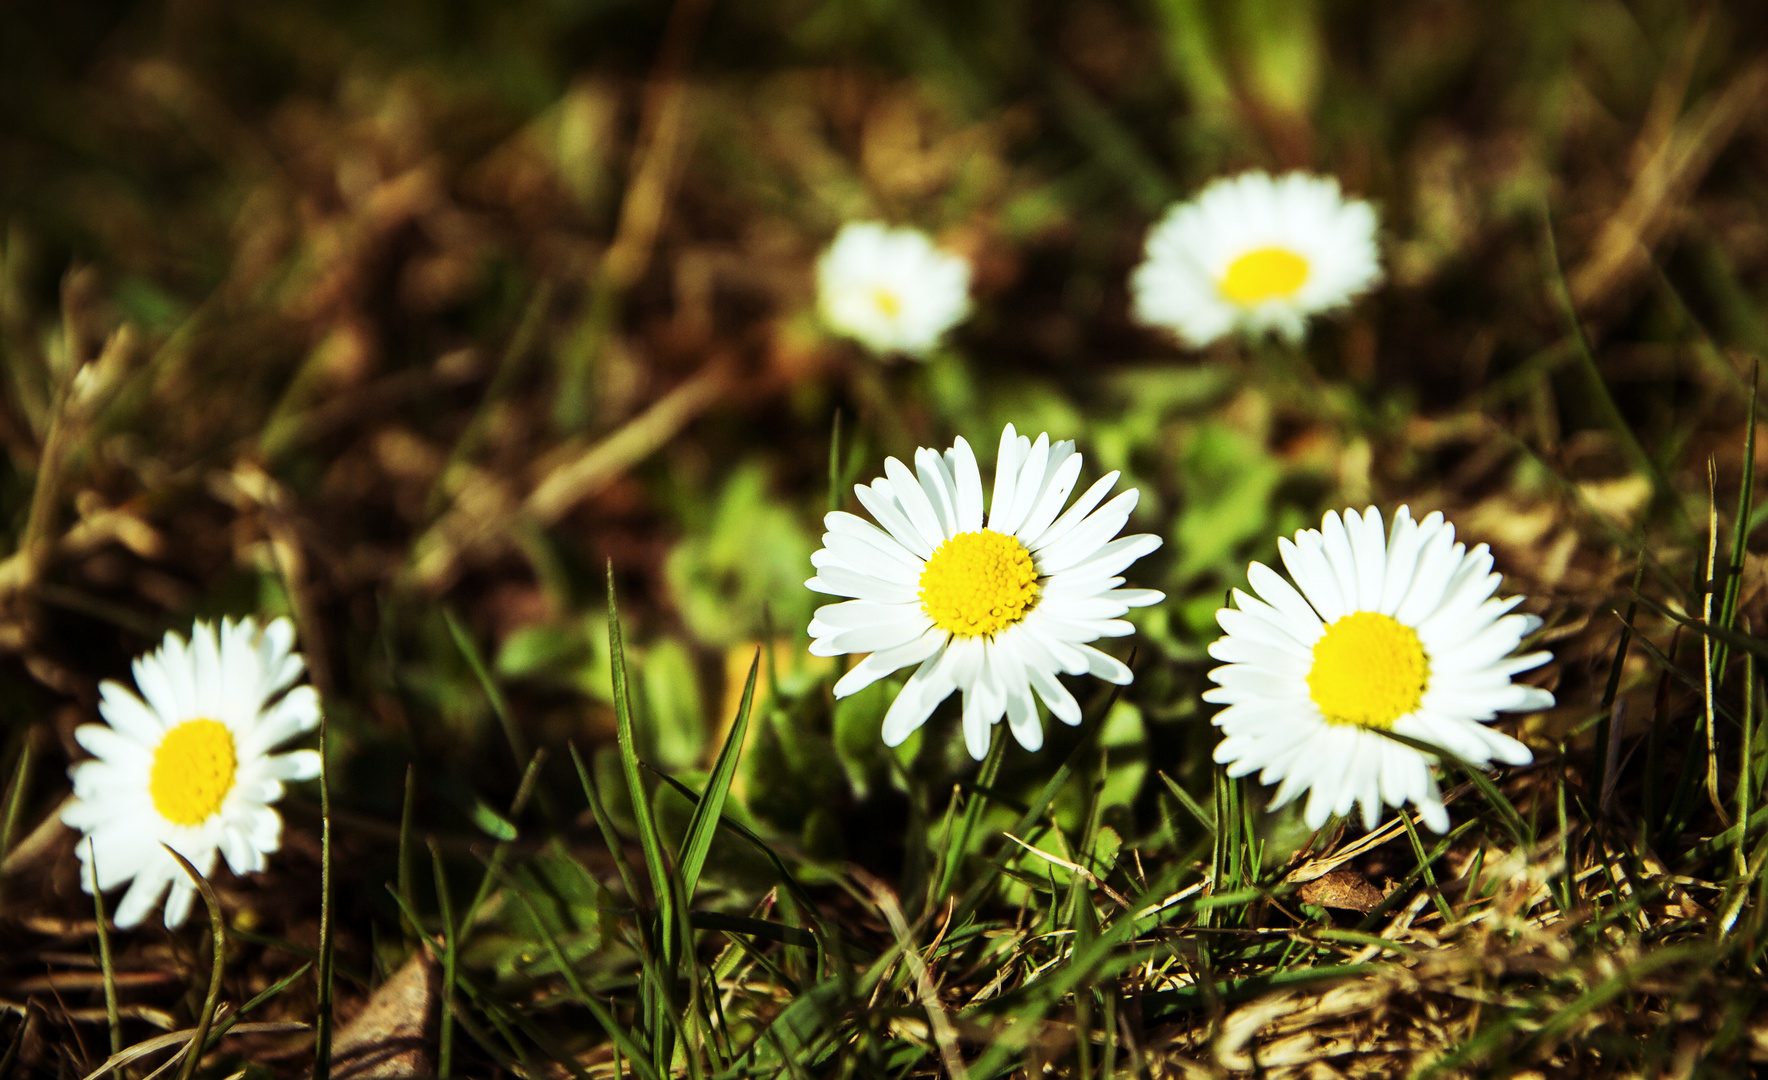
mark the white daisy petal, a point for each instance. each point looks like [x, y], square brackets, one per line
[941, 488]
[879, 501]
[914, 502]
[1074, 515]
[145, 891]
[1049, 504]
[188, 764]
[927, 687]
[1399, 632]
[891, 289]
[842, 581]
[1028, 488]
[1256, 254]
[969, 485]
[880, 664]
[1007, 462]
[992, 602]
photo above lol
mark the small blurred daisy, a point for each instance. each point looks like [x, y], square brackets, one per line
[1393, 633]
[1255, 253]
[190, 767]
[993, 609]
[891, 289]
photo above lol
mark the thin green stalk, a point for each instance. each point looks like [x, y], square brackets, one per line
[1745, 754]
[500, 852]
[322, 1020]
[1424, 870]
[1608, 739]
[15, 801]
[835, 474]
[111, 1016]
[493, 694]
[218, 965]
[1663, 492]
[1740, 524]
[1567, 855]
[405, 817]
[569, 973]
[1708, 646]
[959, 844]
[450, 958]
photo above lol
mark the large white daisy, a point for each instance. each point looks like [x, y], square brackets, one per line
[1256, 253]
[1396, 632]
[891, 289]
[190, 766]
[993, 607]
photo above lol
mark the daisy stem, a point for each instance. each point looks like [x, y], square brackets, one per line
[985, 778]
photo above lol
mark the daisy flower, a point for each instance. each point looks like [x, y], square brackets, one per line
[1395, 633]
[1255, 252]
[190, 766]
[993, 606]
[891, 289]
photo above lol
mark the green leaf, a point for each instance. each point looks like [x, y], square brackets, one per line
[675, 718]
[490, 822]
[711, 805]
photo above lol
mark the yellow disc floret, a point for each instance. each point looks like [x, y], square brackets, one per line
[193, 771]
[1268, 273]
[888, 303]
[978, 583]
[1369, 670]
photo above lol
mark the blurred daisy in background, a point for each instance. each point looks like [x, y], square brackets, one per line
[188, 764]
[992, 606]
[1397, 632]
[1255, 253]
[891, 289]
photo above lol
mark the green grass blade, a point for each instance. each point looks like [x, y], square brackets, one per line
[450, 961]
[1740, 531]
[835, 475]
[619, 1034]
[322, 1020]
[616, 847]
[15, 799]
[268, 993]
[787, 878]
[978, 891]
[1190, 804]
[1663, 493]
[499, 707]
[217, 967]
[106, 963]
[1424, 870]
[953, 859]
[1607, 738]
[407, 805]
[1521, 832]
[656, 864]
[710, 808]
[762, 928]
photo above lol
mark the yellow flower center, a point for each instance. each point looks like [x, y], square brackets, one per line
[978, 583]
[1268, 273]
[193, 771]
[889, 304]
[1369, 670]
